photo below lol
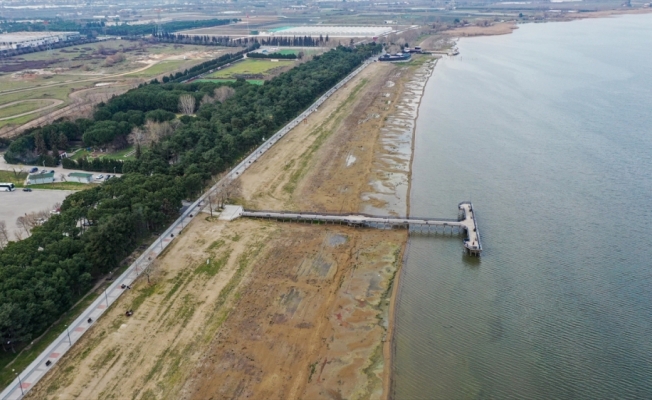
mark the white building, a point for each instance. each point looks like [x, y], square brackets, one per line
[19, 40]
[80, 177]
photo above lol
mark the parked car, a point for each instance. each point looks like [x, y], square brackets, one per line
[108, 177]
[31, 171]
[43, 171]
[99, 177]
[52, 171]
[27, 189]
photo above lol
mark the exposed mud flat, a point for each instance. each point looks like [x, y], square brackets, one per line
[389, 184]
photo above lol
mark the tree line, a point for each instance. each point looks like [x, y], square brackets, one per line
[93, 28]
[44, 275]
[146, 29]
[228, 41]
[280, 56]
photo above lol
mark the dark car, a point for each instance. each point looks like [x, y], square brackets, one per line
[52, 171]
[31, 171]
[27, 189]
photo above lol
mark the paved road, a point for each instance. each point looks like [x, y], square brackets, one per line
[17, 203]
[58, 171]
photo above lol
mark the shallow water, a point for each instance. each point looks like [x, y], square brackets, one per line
[548, 132]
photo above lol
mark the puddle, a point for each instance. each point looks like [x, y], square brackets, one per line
[336, 240]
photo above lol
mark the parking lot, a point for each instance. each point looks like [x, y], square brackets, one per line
[59, 171]
[17, 203]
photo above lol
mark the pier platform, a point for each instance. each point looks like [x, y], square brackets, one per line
[466, 224]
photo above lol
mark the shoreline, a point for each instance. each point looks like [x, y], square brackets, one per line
[508, 27]
[389, 347]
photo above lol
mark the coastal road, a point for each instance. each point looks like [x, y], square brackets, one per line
[39, 367]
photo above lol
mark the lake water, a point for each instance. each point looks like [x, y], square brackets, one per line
[549, 132]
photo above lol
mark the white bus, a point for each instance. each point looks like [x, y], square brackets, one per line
[7, 187]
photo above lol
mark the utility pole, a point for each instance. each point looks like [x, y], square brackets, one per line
[19, 381]
[68, 332]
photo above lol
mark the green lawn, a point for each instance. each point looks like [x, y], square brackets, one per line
[80, 154]
[162, 67]
[63, 186]
[16, 178]
[118, 155]
[252, 81]
[249, 67]
[23, 107]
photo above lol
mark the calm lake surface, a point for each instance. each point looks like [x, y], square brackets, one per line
[549, 132]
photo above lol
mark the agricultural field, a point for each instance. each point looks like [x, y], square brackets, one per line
[85, 75]
[253, 69]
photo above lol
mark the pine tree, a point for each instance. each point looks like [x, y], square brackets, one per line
[138, 151]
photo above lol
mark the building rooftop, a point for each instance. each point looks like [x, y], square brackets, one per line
[80, 175]
[23, 36]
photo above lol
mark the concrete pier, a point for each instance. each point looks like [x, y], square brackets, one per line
[466, 224]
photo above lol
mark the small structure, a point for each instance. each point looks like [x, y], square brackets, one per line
[34, 179]
[80, 177]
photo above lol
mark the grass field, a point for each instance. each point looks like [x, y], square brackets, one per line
[23, 107]
[250, 67]
[118, 155]
[16, 178]
[252, 81]
[121, 155]
[80, 67]
[63, 186]
[162, 68]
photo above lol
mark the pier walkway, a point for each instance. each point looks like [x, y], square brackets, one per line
[466, 224]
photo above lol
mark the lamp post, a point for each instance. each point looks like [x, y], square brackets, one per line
[68, 332]
[106, 298]
[20, 382]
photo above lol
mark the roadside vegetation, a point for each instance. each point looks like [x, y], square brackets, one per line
[42, 276]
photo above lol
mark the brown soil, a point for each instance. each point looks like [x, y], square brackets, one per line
[259, 309]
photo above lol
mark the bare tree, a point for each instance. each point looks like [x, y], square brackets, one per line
[4, 234]
[24, 224]
[150, 269]
[223, 93]
[158, 130]
[186, 104]
[206, 100]
[213, 200]
[18, 235]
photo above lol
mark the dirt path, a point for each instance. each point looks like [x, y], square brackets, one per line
[53, 103]
[258, 309]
